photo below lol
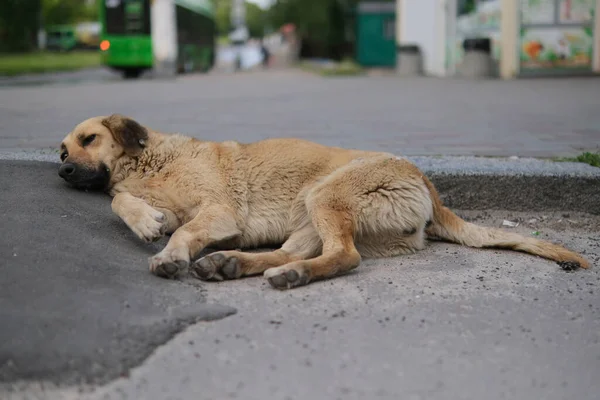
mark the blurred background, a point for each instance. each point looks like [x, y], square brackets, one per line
[54, 35]
[131, 36]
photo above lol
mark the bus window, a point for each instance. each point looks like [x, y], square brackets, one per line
[127, 17]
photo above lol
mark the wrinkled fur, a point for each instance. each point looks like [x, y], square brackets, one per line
[326, 207]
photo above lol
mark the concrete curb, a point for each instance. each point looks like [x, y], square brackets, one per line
[515, 184]
[470, 183]
[518, 193]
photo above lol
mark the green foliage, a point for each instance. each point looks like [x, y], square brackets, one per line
[58, 12]
[222, 16]
[255, 18]
[91, 13]
[310, 16]
[590, 158]
[322, 23]
[19, 22]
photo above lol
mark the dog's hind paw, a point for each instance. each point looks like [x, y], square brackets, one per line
[287, 276]
[217, 267]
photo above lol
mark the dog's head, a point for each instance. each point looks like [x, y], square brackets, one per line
[90, 152]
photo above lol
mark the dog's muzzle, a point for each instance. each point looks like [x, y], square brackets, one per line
[83, 177]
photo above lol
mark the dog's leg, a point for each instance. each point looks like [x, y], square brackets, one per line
[302, 243]
[146, 222]
[335, 227]
[210, 225]
[371, 198]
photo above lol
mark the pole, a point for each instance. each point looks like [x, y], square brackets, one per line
[41, 31]
[163, 21]
[509, 32]
[239, 35]
[596, 51]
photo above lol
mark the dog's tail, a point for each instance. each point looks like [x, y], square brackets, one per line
[448, 226]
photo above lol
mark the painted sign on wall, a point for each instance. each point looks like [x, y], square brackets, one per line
[556, 34]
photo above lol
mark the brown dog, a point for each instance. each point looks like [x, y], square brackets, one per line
[326, 206]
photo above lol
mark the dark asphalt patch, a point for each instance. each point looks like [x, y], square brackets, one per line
[77, 302]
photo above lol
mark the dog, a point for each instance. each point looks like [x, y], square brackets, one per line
[324, 208]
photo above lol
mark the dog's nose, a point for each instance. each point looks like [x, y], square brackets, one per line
[66, 170]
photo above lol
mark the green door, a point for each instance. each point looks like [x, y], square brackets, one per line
[376, 37]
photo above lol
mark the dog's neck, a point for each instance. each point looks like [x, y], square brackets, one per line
[157, 150]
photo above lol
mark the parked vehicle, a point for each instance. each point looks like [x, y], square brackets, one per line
[61, 38]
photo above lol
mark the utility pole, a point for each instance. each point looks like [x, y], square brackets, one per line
[163, 21]
[239, 36]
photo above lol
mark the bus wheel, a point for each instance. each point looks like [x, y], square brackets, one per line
[133, 73]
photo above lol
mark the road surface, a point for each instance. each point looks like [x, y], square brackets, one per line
[539, 117]
[448, 322]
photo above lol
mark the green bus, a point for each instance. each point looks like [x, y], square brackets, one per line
[126, 43]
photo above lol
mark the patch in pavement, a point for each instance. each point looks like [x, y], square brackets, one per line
[77, 302]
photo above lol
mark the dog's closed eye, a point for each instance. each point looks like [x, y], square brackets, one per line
[89, 139]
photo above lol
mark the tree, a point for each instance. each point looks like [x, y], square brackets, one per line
[20, 20]
[58, 12]
[255, 18]
[19, 24]
[223, 16]
[321, 24]
[91, 11]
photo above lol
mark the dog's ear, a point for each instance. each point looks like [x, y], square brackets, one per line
[127, 132]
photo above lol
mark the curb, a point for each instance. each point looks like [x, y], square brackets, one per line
[513, 184]
[478, 183]
[519, 193]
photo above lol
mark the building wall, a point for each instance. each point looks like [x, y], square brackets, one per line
[417, 19]
[436, 28]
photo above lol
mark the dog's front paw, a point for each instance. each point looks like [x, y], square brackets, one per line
[147, 223]
[169, 262]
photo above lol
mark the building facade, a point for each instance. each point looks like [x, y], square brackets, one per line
[528, 37]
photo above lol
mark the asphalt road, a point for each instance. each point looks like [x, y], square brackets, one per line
[539, 117]
[78, 307]
[77, 303]
[446, 323]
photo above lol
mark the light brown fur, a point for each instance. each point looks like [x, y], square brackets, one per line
[327, 207]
